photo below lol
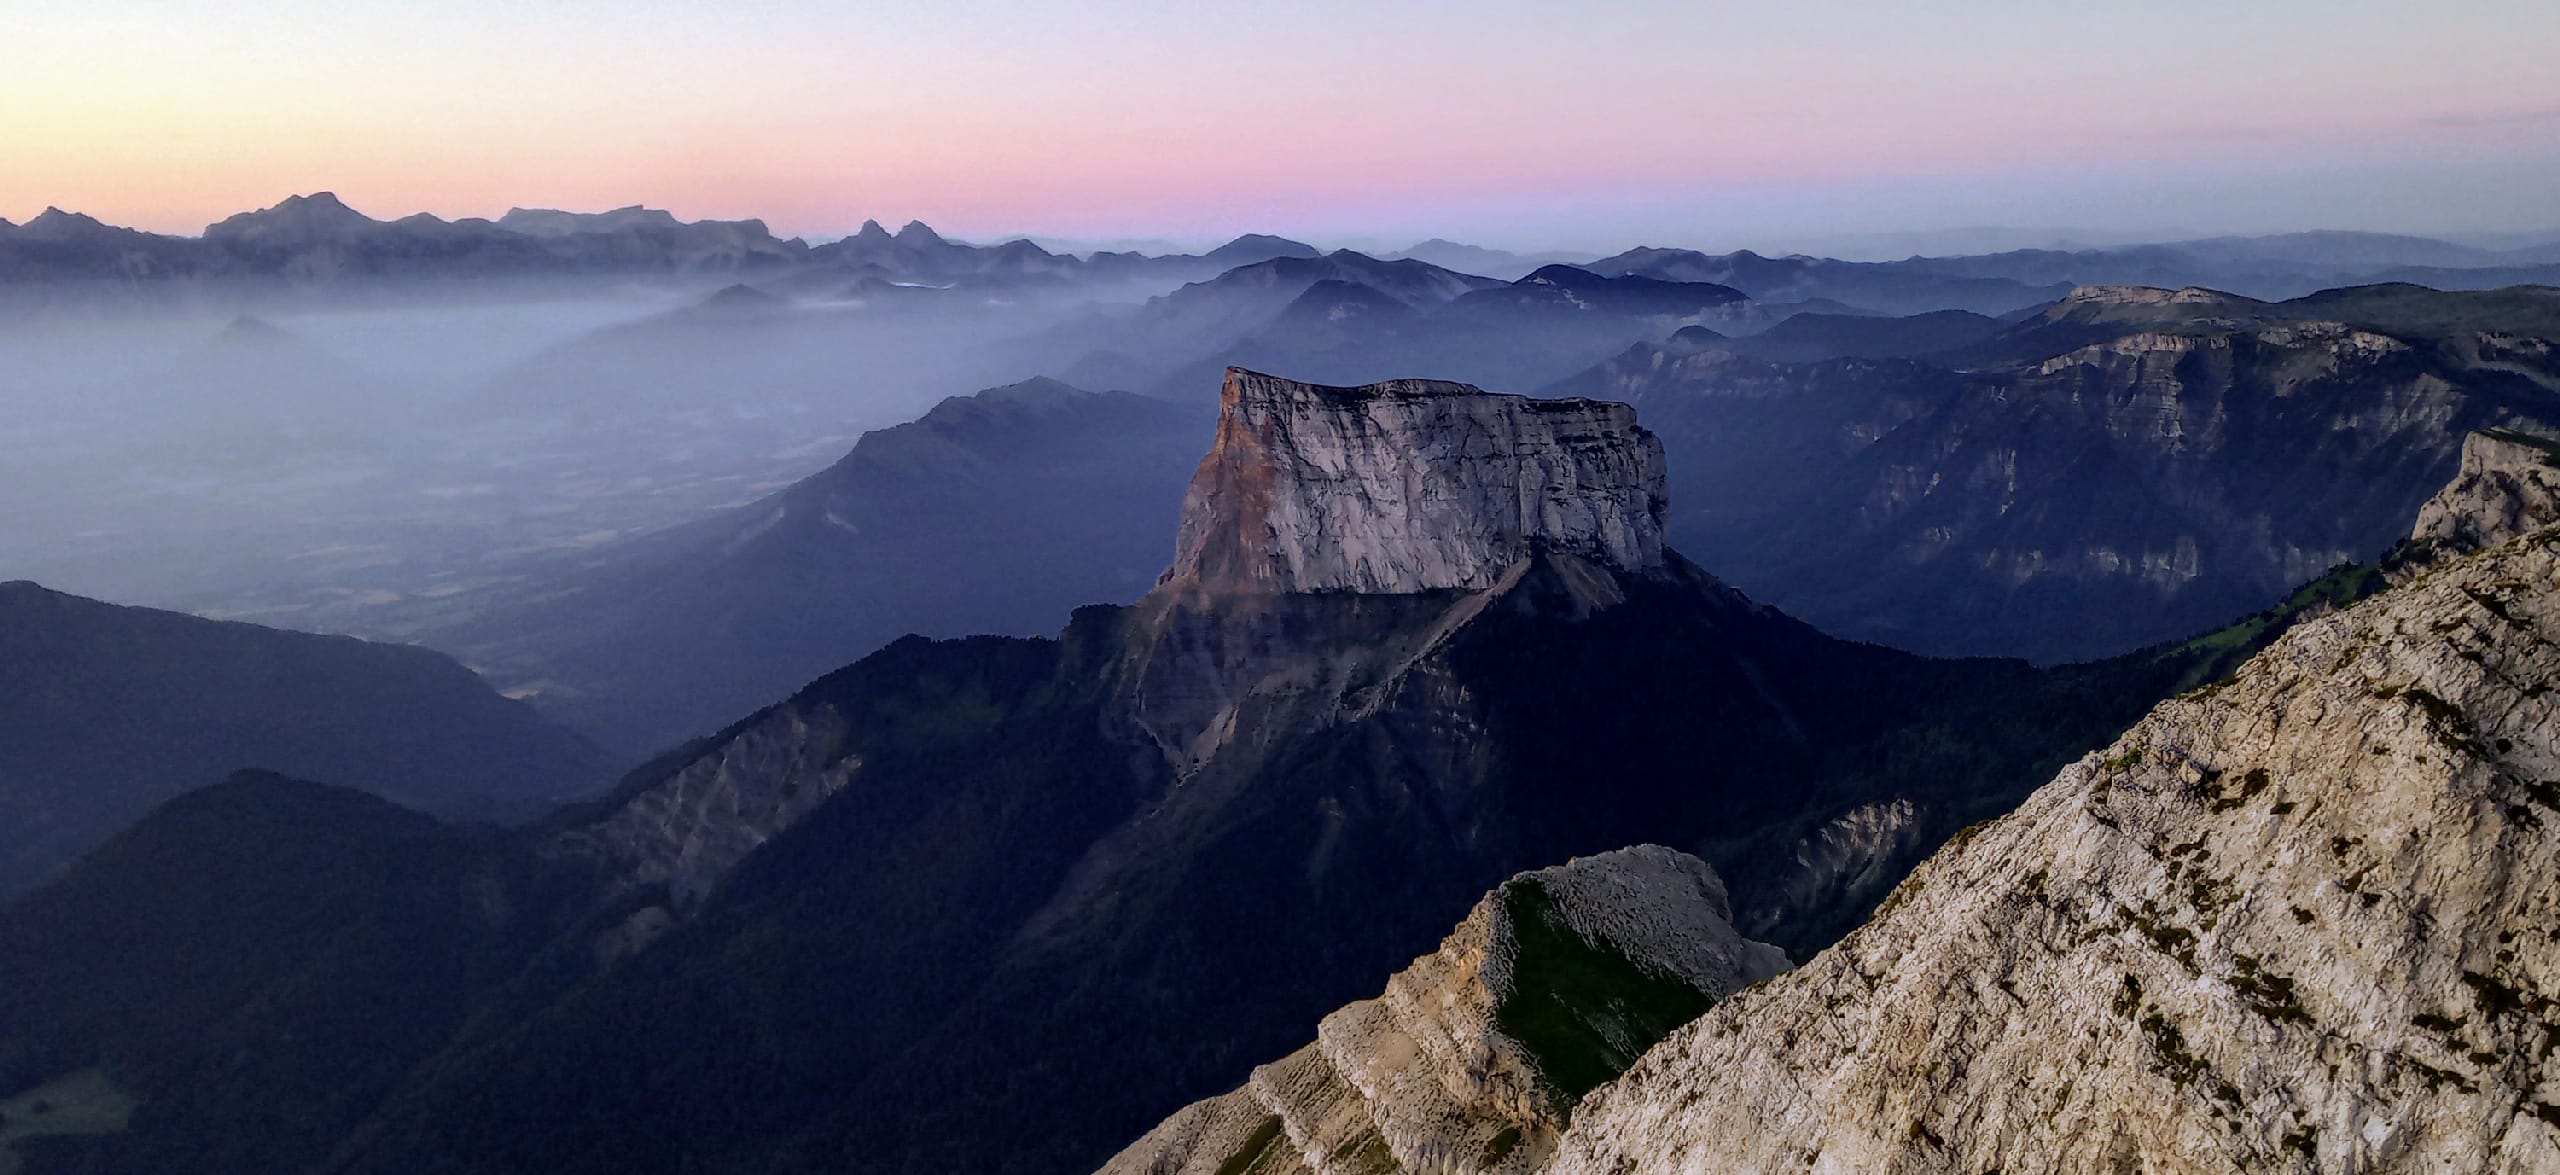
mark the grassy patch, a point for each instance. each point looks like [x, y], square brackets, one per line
[2450, 725]
[2270, 993]
[1584, 1012]
[1256, 1145]
[2243, 790]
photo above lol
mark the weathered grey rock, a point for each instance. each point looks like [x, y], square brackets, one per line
[1847, 855]
[1412, 486]
[2509, 484]
[687, 830]
[1445, 1070]
[2301, 921]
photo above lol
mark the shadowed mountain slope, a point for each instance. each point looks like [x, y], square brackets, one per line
[106, 711]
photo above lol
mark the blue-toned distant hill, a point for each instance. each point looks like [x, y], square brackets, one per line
[107, 710]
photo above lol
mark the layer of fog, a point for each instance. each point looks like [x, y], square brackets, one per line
[297, 465]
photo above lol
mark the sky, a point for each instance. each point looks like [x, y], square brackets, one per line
[1594, 125]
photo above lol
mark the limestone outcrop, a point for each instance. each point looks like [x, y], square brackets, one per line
[1472, 1058]
[2302, 920]
[1412, 486]
[2509, 484]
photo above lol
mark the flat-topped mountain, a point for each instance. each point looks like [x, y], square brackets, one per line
[1410, 486]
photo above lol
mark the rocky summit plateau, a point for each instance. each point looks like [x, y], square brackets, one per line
[1412, 486]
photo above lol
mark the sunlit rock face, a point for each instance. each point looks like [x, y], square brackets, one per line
[1412, 486]
[2300, 920]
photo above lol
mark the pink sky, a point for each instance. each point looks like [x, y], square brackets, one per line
[1514, 121]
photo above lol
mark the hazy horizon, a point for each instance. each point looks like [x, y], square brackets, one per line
[1705, 125]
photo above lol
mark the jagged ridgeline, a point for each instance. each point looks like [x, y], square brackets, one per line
[999, 904]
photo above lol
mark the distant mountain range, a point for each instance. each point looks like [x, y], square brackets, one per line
[1489, 262]
[1350, 317]
[317, 239]
[2126, 466]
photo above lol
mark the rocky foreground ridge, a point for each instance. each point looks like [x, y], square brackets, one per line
[1472, 1058]
[2299, 921]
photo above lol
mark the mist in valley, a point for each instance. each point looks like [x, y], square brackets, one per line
[318, 468]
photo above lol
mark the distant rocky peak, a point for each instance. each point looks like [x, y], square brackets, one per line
[56, 222]
[917, 232]
[319, 208]
[318, 214]
[2508, 486]
[1412, 486]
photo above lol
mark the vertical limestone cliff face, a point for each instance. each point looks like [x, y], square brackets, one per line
[2300, 921]
[1412, 486]
[1333, 537]
[1472, 1058]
